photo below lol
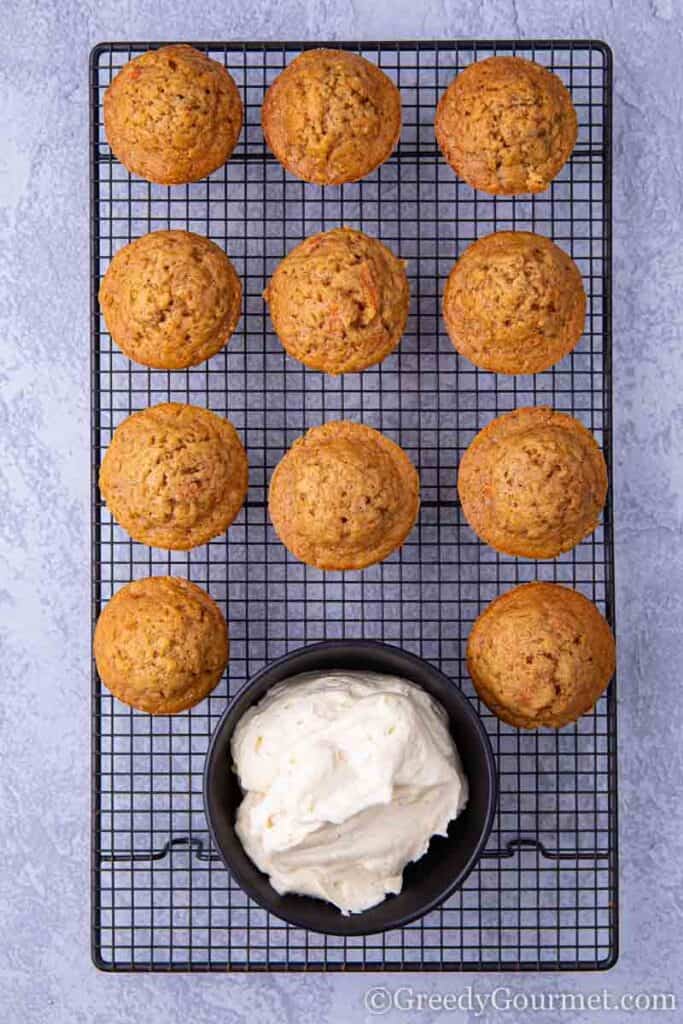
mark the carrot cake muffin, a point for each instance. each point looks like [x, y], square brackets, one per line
[339, 301]
[174, 476]
[172, 115]
[161, 644]
[533, 483]
[514, 303]
[506, 125]
[540, 655]
[344, 496]
[331, 116]
[171, 299]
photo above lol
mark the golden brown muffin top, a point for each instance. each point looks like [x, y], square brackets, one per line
[170, 299]
[172, 115]
[331, 116]
[344, 496]
[533, 483]
[540, 655]
[339, 301]
[514, 303]
[161, 644]
[174, 475]
[506, 125]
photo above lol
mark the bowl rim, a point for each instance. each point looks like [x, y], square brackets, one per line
[353, 923]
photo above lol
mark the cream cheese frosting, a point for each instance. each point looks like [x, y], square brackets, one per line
[346, 776]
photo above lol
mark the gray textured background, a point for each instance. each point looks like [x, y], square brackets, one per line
[45, 971]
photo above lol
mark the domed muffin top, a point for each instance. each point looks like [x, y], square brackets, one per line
[174, 475]
[331, 116]
[170, 299]
[533, 483]
[506, 125]
[540, 655]
[172, 115]
[344, 496]
[161, 644]
[514, 303]
[339, 301]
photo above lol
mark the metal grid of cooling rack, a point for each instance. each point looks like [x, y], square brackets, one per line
[544, 895]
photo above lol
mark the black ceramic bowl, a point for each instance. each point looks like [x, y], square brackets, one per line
[449, 859]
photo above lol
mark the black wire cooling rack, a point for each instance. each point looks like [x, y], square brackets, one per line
[544, 895]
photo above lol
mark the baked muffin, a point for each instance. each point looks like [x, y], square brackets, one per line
[161, 644]
[514, 303]
[331, 116]
[506, 125]
[172, 115]
[339, 301]
[540, 654]
[174, 476]
[533, 483]
[344, 496]
[171, 299]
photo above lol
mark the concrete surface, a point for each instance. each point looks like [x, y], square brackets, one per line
[45, 969]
